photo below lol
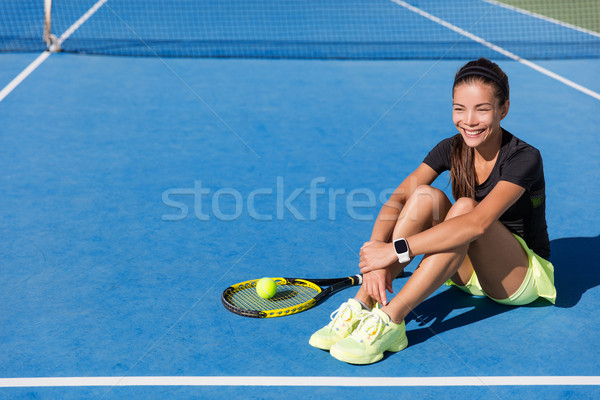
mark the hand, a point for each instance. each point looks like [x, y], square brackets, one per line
[376, 255]
[376, 283]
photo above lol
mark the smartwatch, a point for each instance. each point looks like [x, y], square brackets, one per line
[401, 247]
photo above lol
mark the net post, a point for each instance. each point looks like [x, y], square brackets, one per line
[49, 38]
[48, 22]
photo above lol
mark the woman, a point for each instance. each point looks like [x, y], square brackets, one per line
[492, 241]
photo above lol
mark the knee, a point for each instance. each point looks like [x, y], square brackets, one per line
[462, 206]
[426, 193]
[429, 200]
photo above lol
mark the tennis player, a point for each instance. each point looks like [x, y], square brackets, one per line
[492, 241]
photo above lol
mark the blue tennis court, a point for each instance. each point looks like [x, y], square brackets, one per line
[136, 189]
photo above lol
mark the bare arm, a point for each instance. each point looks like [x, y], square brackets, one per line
[456, 231]
[467, 227]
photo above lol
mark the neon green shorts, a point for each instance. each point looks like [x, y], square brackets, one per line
[539, 282]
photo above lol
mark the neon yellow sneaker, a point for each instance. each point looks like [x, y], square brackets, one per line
[375, 334]
[343, 321]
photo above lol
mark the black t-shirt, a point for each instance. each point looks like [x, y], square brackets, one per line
[518, 163]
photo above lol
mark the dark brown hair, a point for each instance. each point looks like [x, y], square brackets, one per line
[462, 170]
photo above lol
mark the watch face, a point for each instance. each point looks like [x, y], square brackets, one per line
[400, 246]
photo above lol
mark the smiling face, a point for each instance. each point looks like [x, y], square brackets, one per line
[477, 113]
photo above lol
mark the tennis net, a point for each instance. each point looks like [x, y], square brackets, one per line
[328, 29]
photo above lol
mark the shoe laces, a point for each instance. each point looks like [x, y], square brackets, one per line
[370, 326]
[341, 310]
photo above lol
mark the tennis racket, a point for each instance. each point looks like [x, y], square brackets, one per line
[293, 295]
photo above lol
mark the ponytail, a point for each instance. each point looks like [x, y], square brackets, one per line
[462, 170]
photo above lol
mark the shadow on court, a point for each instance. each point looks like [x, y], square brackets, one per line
[576, 271]
[434, 314]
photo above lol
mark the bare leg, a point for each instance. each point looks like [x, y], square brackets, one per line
[497, 257]
[425, 208]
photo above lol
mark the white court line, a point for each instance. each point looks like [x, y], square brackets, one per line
[42, 57]
[80, 22]
[498, 49]
[299, 381]
[24, 74]
[542, 17]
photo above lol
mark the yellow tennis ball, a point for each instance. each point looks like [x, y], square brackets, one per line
[266, 288]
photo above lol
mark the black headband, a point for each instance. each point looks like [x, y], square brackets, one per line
[482, 71]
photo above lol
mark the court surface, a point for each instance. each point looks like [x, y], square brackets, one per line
[135, 190]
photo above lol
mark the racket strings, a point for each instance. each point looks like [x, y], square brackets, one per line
[287, 296]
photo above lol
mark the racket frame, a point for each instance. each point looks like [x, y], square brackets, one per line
[333, 285]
